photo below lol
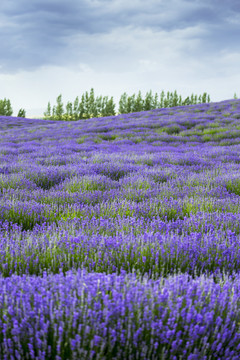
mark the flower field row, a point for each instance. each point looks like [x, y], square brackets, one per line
[120, 236]
[99, 316]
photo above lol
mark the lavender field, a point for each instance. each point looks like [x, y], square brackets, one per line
[120, 236]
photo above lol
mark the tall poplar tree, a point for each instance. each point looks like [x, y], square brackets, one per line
[53, 112]
[82, 108]
[130, 103]
[162, 99]
[180, 101]
[192, 98]
[6, 107]
[139, 102]
[171, 99]
[110, 108]
[104, 106]
[92, 104]
[87, 106]
[168, 99]
[99, 105]
[204, 97]
[76, 115]
[155, 102]
[148, 102]
[21, 113]
[59, 108]
[47, 113]
[175, 98]
[187, 101]
[123, 104]
[166, 103]
[69, 110]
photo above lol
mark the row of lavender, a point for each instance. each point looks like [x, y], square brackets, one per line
[119, 232]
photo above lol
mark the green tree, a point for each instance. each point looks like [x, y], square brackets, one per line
[92, 104]
[180, 101]
[166, 103]
[130, 104]
[9, 110]
[235, 96]
[175, 99]
[204, 97]
[99, 105]
[6, 107]
[200, 99]
[54, 112]
[148, 102]
[76, 109]
[155, 102]
[162, 99]
[123, 104]
[110, 108]
[167, 100]
[187, 101]
[139, 102]
[87, 106]
[59, 108]
[82, 107]
[21, 113]
[104, 106]
[47, 113]
[208, 99]
[69, 110]
[192, 99]
[171, 100]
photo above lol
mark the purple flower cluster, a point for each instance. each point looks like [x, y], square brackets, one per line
[120, 236]
[99, 316]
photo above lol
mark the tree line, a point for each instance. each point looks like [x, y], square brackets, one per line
[6, 109]
[90, 107]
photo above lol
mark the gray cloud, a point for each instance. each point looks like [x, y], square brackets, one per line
[104, 33]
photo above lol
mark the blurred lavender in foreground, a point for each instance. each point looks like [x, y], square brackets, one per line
[98, 316]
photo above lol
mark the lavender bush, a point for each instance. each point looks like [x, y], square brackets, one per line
[120, 236]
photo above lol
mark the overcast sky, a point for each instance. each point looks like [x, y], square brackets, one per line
[52, 47]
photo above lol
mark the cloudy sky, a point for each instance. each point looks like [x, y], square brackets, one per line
[52, 47]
